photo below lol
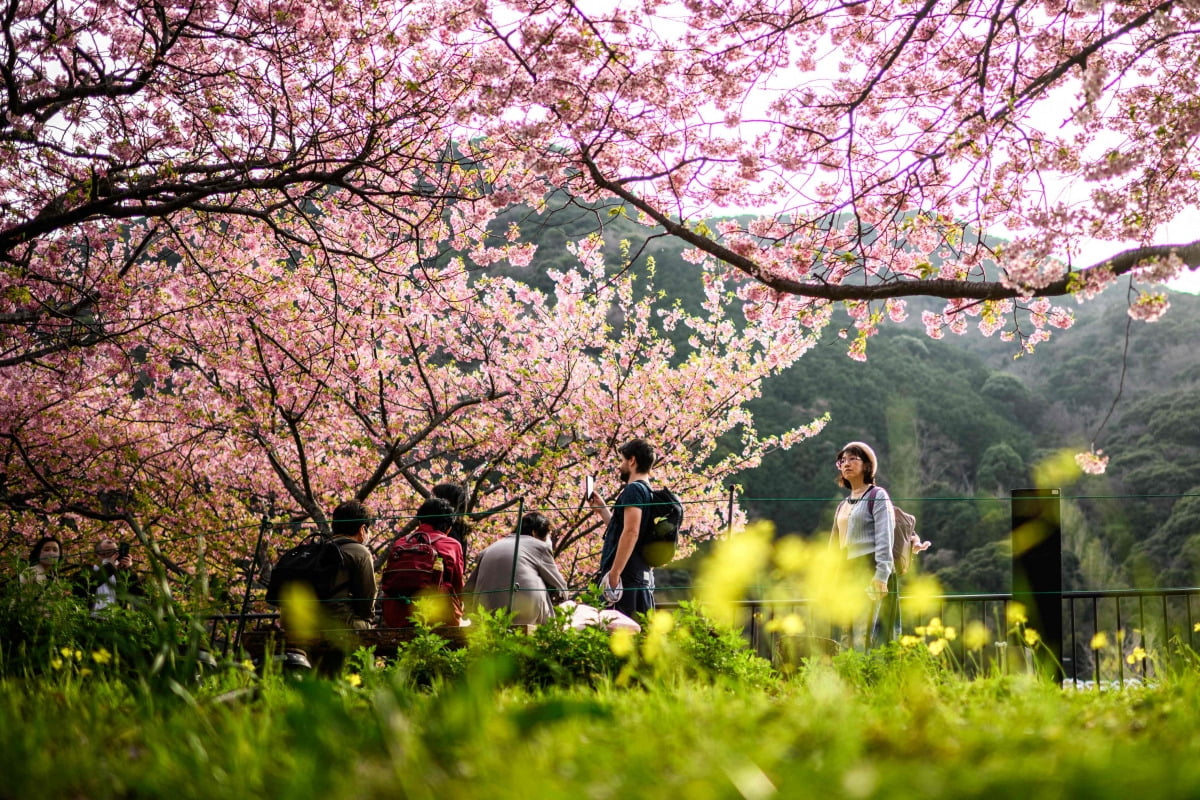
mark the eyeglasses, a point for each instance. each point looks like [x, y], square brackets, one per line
[845, 460]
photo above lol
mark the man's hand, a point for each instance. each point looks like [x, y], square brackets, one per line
[612, 580]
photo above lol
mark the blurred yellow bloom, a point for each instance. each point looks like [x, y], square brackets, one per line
[56, 663]
[735, 565]
[922, 594]
[1016, 614]
[908, 640]
[1100, 641]
[65, 652]
[621, 643]
[976, 636]
[354, 679]
[934, 628]
[301, 611]
[1138, 654]
[937, 646]
[791, 555]
[951, 634]
[789, 625]
[661, 624]
[1059, 469]
[1196, 627]
[1031, 637]
[101, 656]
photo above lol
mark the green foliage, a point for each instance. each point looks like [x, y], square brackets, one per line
[890, 724]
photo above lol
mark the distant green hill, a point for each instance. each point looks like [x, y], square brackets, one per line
[959, 422]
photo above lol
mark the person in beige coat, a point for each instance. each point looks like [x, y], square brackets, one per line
[537, 576]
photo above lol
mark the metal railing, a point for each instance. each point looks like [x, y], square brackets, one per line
[1108, 635]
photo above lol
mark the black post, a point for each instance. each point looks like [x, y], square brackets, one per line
[1037, 572]
[253, 567]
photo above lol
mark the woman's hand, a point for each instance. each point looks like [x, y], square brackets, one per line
[878, 589]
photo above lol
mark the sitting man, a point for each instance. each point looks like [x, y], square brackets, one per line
[352, 603]
[424, 572]
[534, 578]
[345, 601]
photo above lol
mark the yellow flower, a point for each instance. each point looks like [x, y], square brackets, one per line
[937, 646]
[354, 679]
[1138, 654]
[1100, 641]
[976, 636]
[1031, 637]
[950, 633]
[790, 625]
[56, 663]
[1016, 614]
[1196, 627]
[101, 656]
[934, 628]
[78, 655]
[65, 652]
[909, 641]
[621, 643]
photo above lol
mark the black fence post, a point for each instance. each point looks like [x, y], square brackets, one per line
[1037, 572]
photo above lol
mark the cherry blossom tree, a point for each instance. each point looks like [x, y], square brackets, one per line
[225, 227]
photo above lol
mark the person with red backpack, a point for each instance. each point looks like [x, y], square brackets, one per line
[424, 571]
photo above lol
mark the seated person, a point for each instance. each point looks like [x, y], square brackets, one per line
[352, 604]
[424, 571]
[537, 576]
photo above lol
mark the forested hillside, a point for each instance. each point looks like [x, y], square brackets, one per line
[959, 422]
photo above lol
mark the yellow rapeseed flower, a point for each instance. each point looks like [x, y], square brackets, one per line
[789, 625]
[907, 640]
[1031, 637]
[735, 564]
[354, 679]
[935, 627]
[937, 646]
[1138, 654]
[65, 652]
[56, 663]
[661, 624]
[1100, 641]
[1196, 627]
[1016, 614]
[950, 633]
[101, 656]
[621, 643]
[976, 636]
[922, 595]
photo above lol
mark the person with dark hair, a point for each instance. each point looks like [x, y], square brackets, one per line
[864, 530]
[426, 563]
[625, 577]
[456, 495]
[520, 570]
[112, 579]
[44, 559]
[352, 603]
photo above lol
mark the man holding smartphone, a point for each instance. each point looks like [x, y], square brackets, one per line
[625, 577]
[107, 580]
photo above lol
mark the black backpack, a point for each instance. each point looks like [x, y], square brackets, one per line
[662, 519]
[315, 562]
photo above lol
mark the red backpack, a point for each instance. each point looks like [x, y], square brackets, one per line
[414, 568]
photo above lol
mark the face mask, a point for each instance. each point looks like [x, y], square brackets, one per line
[48, 558]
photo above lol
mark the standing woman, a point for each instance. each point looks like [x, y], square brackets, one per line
[43, 560]
[863, 528]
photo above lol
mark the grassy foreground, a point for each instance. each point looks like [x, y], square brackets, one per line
[826, 732]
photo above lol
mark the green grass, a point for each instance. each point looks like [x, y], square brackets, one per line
[914, 732]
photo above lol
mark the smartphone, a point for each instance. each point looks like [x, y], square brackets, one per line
[589, 487]
[122, 550]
